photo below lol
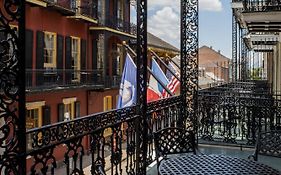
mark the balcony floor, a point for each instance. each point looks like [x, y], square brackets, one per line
[229, 151]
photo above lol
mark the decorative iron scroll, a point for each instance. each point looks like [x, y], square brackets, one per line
[12, 93]
[235, 114]
[234, 47]
[58, 133]
[243, 57]
[141, 84]
[189, 61]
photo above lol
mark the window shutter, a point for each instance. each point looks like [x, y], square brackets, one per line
[114, 60]
[28, 48]
[77, 108]
[46, 115]
[95, 54]
[109, 103]
[60, 112]
[68, 59]
[28, 56]
[83, 58]
[39, 57]
[104, 104]
[95, 59]
[60, 58]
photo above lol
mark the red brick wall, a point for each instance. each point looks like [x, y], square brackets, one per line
[213, 61]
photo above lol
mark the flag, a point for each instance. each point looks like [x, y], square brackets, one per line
[155, 68]
[128, 91]
[169, 75]
[174, 82]
[152, 95]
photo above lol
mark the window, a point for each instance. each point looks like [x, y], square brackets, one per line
[75, 55]
[69, 108]
[120, 10]
[100, 55]
[107, 103]
[50, 50]
[34, 114]
[33, 118]
[120, 13]
[119, 59]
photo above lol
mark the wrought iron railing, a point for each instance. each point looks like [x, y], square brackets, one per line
[236, 114]
[116, 23]
[67, 4]
[111, 136]
[88, 8]
[84, 7]
[261, 5]
[51, 78]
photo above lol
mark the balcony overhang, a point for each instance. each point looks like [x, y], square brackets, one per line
[263, 21]
[240, 19]
[261, 41]
[237, 5]
[37, 3]
[63, 10]
[263, 48]
[84, 18]
[112, 30]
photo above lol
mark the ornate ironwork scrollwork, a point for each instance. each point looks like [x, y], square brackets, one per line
[189, 61]
[12, 93]
[141, 84]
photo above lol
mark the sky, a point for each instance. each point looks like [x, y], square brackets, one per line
[214, 23]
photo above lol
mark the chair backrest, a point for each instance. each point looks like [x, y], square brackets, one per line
[269, 144]
[173, 140]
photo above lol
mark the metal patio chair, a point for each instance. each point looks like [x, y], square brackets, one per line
[268, 144]
[173, 140]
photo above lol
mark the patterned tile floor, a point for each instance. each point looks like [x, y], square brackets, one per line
[229, 151]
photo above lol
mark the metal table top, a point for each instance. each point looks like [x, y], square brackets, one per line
[213, 164]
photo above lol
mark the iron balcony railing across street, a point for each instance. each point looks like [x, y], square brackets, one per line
[260, 5]
[226, 114]
[43, 79]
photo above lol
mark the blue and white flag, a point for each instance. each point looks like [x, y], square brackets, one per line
[128, 91]
[155, 68]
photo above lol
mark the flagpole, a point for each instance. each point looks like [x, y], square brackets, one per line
[166, 66]
[149, 70]
[176, 64]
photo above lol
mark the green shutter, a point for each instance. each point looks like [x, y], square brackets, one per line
[60, 58]
[46, 115]
[77, 109]
[68, 59]
[60, 112]
[83, 59]
[39, 57]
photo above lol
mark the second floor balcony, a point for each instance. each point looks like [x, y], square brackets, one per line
[261, 5]
[40, 80]
[116, 23]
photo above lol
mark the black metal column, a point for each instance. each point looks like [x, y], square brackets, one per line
[12, 93]
[189, 62]
[234, 47]
[243, 58]
[142, 85]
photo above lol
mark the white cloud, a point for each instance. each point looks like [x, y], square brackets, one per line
[164, 19]
[165, 23]
[210, 5]
[204, 5]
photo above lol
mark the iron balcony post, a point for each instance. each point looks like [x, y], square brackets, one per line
[142, 85]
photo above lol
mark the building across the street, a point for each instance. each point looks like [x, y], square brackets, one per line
[213, 67]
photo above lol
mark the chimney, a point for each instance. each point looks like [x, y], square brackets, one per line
[211, 47]
[219, 51]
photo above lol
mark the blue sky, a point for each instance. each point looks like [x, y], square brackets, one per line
[214, 22]
[215, 28]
